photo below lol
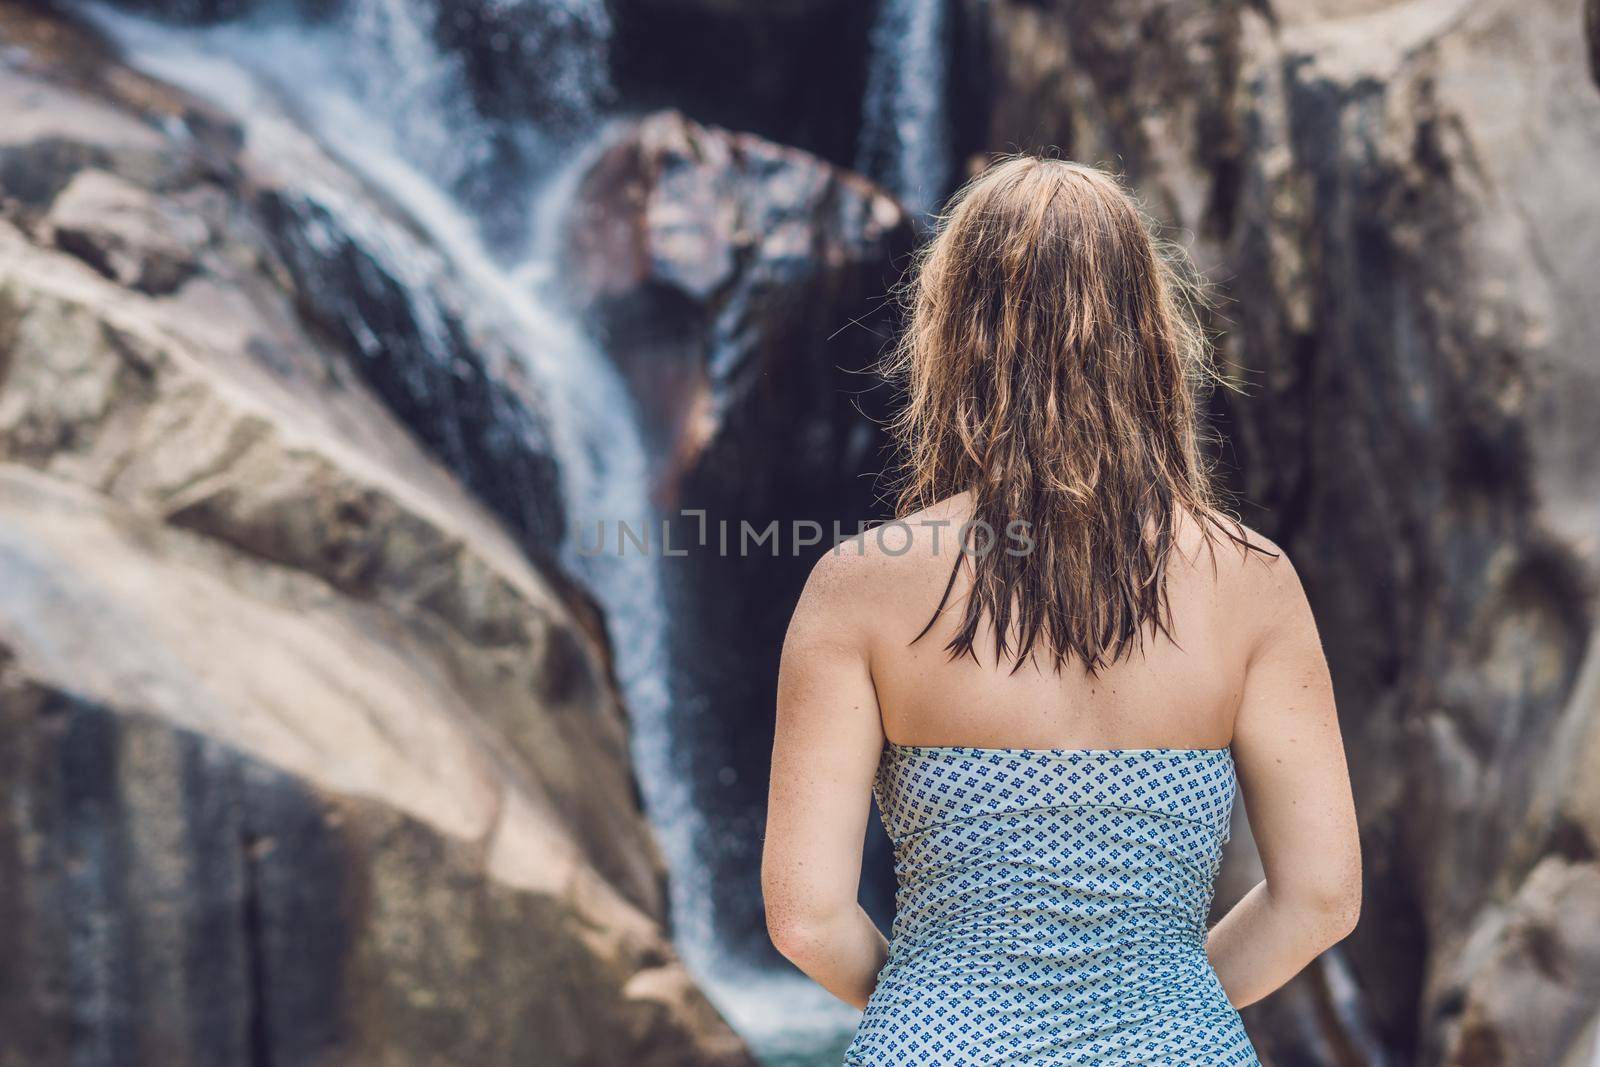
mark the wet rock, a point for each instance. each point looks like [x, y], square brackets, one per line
[738, 284]
[308, 758]
[741, 287]
[108, 809]
[459, 388]
[1397, 297]
[174, 901]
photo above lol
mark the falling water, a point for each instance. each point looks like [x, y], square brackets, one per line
[905, 138]
[372, 90]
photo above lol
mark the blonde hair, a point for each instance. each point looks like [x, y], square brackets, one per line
[1053, 367]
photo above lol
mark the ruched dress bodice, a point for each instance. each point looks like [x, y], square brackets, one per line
[1051, 909]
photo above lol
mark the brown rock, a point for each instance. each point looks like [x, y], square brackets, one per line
[734, 281]
[306, 759]
[1532, 974]
[741, 288]
[170, 900]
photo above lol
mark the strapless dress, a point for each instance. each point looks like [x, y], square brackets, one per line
[1051, 909]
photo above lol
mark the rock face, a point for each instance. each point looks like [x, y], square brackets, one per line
[740, 287]
[306, 760]
[1403, 293]
[734, 281]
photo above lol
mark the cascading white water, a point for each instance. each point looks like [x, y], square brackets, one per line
[905, 141]
[367, 102]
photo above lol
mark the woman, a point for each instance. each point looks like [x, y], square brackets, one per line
[1053, 670]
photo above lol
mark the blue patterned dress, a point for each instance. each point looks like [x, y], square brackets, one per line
[1052, 909]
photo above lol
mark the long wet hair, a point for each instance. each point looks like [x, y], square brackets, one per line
[1053, 367]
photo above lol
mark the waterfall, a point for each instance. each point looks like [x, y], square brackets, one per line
[905, 137]
[363, 113]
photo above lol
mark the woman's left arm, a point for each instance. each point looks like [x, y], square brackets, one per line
[829, 738]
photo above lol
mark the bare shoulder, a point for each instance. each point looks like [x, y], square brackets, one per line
[862, 578]
[842, 584]
[1256, 582]
[1243, 568]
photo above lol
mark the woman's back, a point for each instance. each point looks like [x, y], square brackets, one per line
[1056, 835]
[1177, 693]
[1052, 673]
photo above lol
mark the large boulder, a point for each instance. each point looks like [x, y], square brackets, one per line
[741, 288]
[1401, 291]
[310, 756]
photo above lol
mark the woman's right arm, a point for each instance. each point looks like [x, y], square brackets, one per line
[1296, 790]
